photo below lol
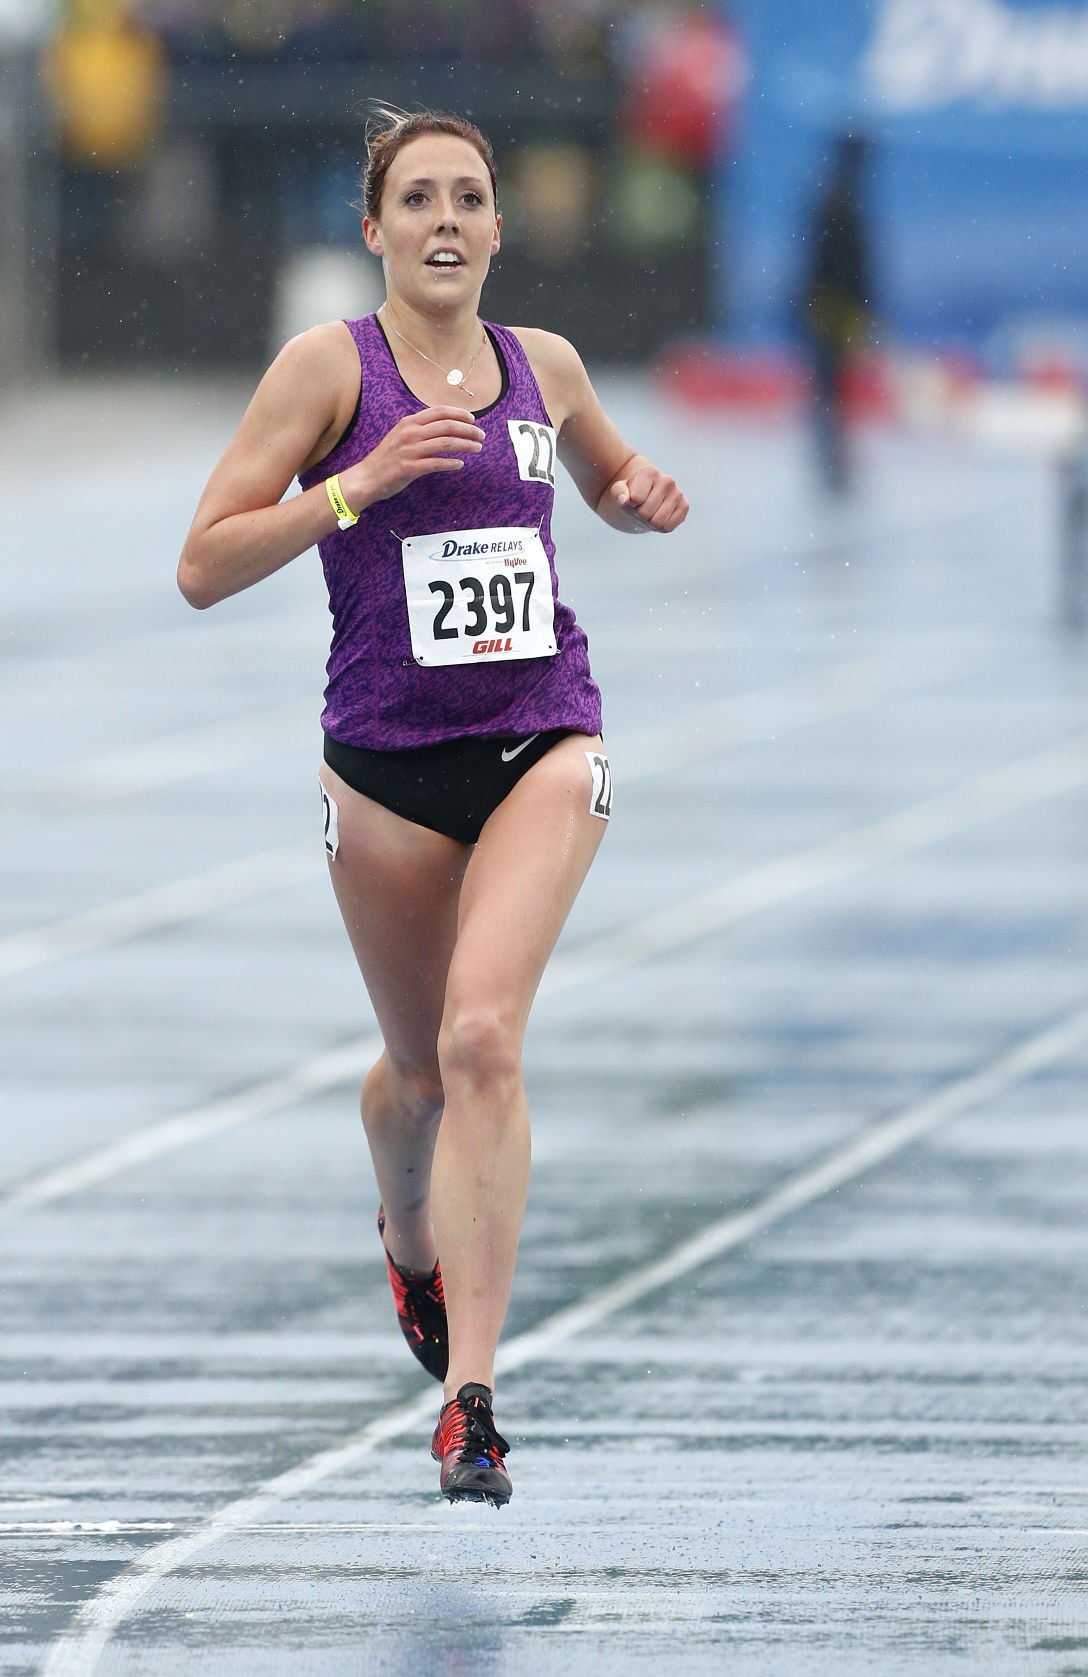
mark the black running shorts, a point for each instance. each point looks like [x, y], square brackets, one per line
[451, 788]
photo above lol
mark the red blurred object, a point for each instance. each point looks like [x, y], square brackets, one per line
[684, 83]
[707, 376]
[766, 382]
[1054, 374]
[866, 390]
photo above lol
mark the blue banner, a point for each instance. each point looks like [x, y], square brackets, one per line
[976, 114]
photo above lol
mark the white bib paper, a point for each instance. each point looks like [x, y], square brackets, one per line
[477, 596]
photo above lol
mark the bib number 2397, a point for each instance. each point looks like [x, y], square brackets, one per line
[478, 595]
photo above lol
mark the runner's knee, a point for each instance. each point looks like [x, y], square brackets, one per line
[479, 1044]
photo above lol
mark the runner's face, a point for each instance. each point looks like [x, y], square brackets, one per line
[436, 199]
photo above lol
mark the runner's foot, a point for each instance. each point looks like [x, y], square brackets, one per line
[421, 1311]
[470, 1450]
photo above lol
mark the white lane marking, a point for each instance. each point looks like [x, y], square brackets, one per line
[215, 747]
[168, 758]
[77, 1651]
[121, 1528]
[871, 1147]
[84, 1528]
[159, 907]
[325, 1071]
[1029, 780]
[699, 733]
[1000, 792]
[751, 718]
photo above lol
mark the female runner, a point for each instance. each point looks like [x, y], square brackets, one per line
[465, 785]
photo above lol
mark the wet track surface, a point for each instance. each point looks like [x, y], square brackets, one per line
[820, 1008]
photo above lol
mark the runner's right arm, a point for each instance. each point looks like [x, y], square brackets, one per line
[243, 530]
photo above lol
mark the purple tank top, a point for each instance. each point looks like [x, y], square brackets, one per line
[378, 695]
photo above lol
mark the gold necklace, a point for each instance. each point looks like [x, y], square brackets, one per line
[454, 375]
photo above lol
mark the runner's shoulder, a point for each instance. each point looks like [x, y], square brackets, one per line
[549, 351]
[325, 352]
[558, 369]
[312, 385]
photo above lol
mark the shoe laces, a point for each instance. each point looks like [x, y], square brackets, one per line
[420, 1300]
[418, 1297]
[468, 1428]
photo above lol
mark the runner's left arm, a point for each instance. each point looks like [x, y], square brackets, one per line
[623, 487]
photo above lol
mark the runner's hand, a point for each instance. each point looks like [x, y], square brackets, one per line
[423, 442]
[652, 497]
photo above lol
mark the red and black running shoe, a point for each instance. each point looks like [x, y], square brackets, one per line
[470, 1450]
[421, 1311]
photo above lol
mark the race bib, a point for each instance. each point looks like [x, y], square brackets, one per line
[479, 596]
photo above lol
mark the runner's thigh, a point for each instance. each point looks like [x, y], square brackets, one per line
[397, 885]
[522, 879]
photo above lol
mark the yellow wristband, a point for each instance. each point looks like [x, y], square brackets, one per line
[345, 518]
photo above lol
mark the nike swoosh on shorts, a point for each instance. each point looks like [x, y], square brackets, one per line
[508, 756]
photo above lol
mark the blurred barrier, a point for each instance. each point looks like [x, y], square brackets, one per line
[1073, 586]
[198, 255]
[26, 216]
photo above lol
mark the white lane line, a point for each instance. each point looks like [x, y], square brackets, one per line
[83, 1528]
[742, 718]
[752, 718]
[700, 733]
[1059, 769]
[166, 905]
[338, 1066]
[77, 1651]
[1016, 786]
[168, 758]
[866, 1150]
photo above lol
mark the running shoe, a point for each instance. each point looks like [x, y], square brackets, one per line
[421, 1311]
[466, 1443]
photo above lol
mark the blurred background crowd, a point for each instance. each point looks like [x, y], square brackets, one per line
[209, 155]
[840, 178]
[579, 36]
